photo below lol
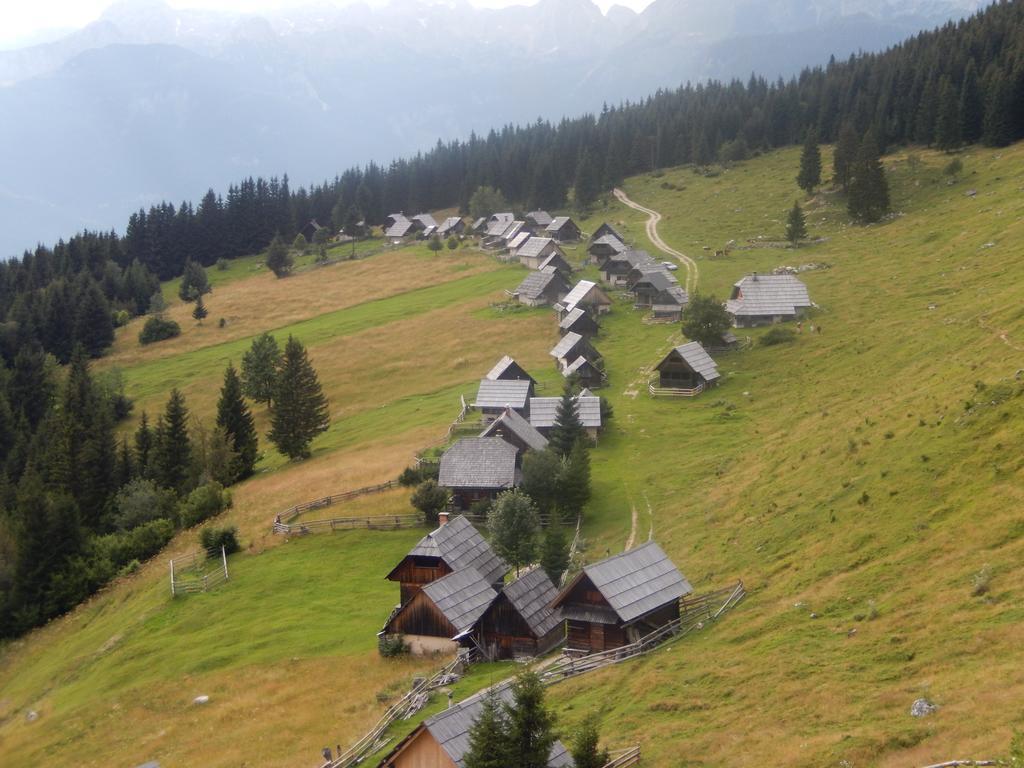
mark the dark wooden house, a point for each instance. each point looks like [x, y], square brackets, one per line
[619, 600]
[542, 288]
[687, 367]
[539, 219]
[571, 346]
[557, 262]
[521, 622]
[585, 372]
[586, 295]
[442, 611]
[563, 229]
[604, 248]
[536, 250]
[478, 469]
[453, 225]
[442, 740]
[617, 268]
[451, 546]
[606, 230]
[517, 431]
[579, 322]
[508, 369]
[766, 299]
[309, 231]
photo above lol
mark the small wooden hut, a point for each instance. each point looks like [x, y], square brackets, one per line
[687, 368]
[563, 229]
[517, 431]
[508, 369]
[520, 623]
[579, 322]
[478, 469]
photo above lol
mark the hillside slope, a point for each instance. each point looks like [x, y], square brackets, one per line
[858, 480]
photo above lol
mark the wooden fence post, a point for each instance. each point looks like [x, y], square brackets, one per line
[224, 559]
[172, 578]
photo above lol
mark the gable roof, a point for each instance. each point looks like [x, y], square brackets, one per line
[572, 317]
[513, 230]
[531, 595]
[497, 393]
[460, 545]
[580, 292]
[518, 426]
[498, 224]
[503, 366]
[519, 239]
[449, 224]
[611, 241]
[535, 283]
[556, 261]
[565, 345]
[450, 729]
[578, 365]
[400, 228]
[558, 222]
[540, 218]
[635, 582]
[426, 220]
[695, 356]
[535, 246]
[479, 462]
[605, 230]
[462, 597]
[543, 411]
[768, 295]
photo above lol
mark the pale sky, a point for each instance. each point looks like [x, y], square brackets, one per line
[22, 19]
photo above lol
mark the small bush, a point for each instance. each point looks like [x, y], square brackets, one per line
[140, 543]
[778, 335]
[212, 539]
[430, 499]
[453, 243]
[982, 581]
[391, 646]
[411, 476]
[203, 503]
[120, 318]
[222, 265]
[129, 568]
[157, 329]
[480, 508]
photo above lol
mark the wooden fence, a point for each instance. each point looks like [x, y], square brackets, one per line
[623, 757]
[674, 392]
[198, 571]
[283, 521]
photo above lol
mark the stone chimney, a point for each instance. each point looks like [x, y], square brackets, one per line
[442, 518]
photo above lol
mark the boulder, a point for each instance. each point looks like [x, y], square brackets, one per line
[922, 708]
[203, 699]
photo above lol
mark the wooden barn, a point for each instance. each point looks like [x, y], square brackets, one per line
[520, 623]
[617, 268]
[517, 431]
[586, 295]
[508, 369]
[310, 230]
[536, 250]
[579, 322]
[766, 299]
[478, 469]
[687, 368]
[452, 546]
[539, 219]
[543, 411]
[619, 600]
[557, 262]
[442, 741]
[494, 395]
[541, 288]
[401, 229]
[424, 222]
[606, 230]
[453, 225]
[585, 372]
[441, 611]
[571, 346]
[563, 229]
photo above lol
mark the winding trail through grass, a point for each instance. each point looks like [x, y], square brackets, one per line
[692, 272]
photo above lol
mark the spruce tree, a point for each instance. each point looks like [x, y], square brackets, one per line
[194, 282]
[514, 524]
[234, 417]
[143, 447]
[972, 105]
[845, 155]
[809, 176]
[869, 190]
[351, 225]
[947, 121]
[300, 408]
[172, 449]
[488, 740]
[199, 312]
[530, 725]
[279, 258]
[586, 751]
[540, 478]
[587, 183]
[94, 327]
[574, 480]
[997, 131]
[927, 112]
[125, 472]
[796, 225]
[260, 366]
[554, 550]
[567, 428]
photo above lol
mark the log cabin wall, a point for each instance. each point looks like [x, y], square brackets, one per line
[422, 752]
[415, 572]
[421, 617]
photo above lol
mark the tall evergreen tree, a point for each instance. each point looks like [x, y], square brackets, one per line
[488, 740]
[567, 428]
[540, 478]
[574, 480]
[94, 327]
[143, 447]
[869, 190]
[587, 182]
[199, 311]
[997, 128]
[927, 112]
[260, 366]
[554, 550]
[172, 449]
[796, 225]
[948, 121]
[530, 725]
[586, 750]
[809, 176]
[300, 408]
[845, 155]
[972, 105]
[234, 417]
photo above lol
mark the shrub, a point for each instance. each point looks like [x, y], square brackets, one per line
[982, 581]
[435, 244]
[203, 503]
[778, 335]
[430, 499]
[158, 329]
[453, 243]
[140, 502]
[222, 265]
[390, 646]
[120, 318]
[410, 476]
[480, 508]
[140, 543]
[212, 539]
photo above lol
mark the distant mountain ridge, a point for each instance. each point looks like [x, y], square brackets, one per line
[153, 103]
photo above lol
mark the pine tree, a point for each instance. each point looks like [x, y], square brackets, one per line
[587, 184]
[260, 366]
[514, 524]
[530, 725]
[540, 478]
[234, 417]
[199, 312]
[351, 225]
[927, 111]
[300, 244]
[809, 176]
[947, 121]
[172, 449]
[279, 258]
[567, 428]
[586, 751]
[143, 447]
[845, 155]
[125, 471]
[94, 327]
[972, 105]
[796, 225]
[869, 190]
[554, 550]
[194, 282]
[300, 408]
[574, 480]
[997, 131]
[488, 741]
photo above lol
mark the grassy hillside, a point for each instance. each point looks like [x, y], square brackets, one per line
[857, 480]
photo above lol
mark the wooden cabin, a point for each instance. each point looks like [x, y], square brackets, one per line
[544, 410]
[606, 230]
[442, 740]
[563, 229]
[539, 219]
[424, 222]
[310, 230]
[508, 369]
[478, 469]
[570, 347]
[520, 623]
[587, 373]
[541, 288]
[617, 601]
[687, 367]
[494, 395]
[617, 268]
[603, 248]
[579, 322]
[516, 431]
[401, 229]
[453, 545]
[586, 295]
[442, 611]
[536, 250]
[557, 261]
[766, 299]
[453, 225]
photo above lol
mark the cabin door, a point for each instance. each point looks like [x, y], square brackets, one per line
[596, 636]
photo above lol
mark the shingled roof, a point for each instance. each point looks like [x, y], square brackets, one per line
[606, 230]
[571, 318]
[462, 597]
[695, 356]
[767, 295]
[578, 293]
[534, 246]
[544, 409]
[426, 220]
[450, 729]
[611, 241]
[531, 595]
[497, 393]
[460, 545]
[565, 345]
[400, 228]
[557, 223]
[502, 368]
[556, 261]
[518, 426]
[449, 224]
[539, 218]
[635, 582]
[518, 240]
[479, 462]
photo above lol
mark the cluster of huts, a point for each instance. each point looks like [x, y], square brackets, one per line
[454, 594]
[516, 420]
[398, 227]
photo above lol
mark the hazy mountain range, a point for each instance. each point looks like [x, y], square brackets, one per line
[151, 103]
